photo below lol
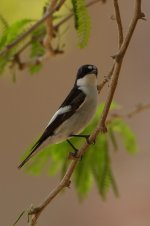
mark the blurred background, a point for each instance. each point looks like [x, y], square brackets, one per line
[27, 106]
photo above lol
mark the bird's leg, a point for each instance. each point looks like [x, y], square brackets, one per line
[73, 154]
[84, 136]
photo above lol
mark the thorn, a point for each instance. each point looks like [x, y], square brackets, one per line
[142, 16]
[90, 142]
[33, 210]
[113, 56]
[116, 57]
[73, 155]
[68, 183]
[103, 129]
[113, 17]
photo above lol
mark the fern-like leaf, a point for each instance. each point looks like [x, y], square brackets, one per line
[82, 22]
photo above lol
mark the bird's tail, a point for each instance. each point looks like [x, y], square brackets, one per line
[32, 153]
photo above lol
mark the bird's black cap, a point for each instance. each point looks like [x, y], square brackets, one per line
[86, 69]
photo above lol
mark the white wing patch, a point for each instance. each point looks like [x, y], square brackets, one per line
[61, 110]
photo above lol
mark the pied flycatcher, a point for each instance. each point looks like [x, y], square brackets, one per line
[74, 113]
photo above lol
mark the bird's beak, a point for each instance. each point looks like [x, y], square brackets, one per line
[94, 71]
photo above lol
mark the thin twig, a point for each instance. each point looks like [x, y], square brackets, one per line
[119, 22]
[139, 15]
[32, 28]
[106, 79]
[65, 182]
[46, 40]
[39, 22]
[118, 61]
[138, 109]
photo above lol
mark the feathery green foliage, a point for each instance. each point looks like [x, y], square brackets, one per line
[10, 33]
[3, 24]
[127, 135]
[82, 22]
[37, 48]
[95, 164]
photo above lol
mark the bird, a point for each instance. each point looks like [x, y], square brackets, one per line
[73, 115]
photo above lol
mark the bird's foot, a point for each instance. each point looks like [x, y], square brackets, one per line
[74, 155]
[84, 136]
[88, 140]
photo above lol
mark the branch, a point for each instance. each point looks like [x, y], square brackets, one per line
[65, 182]
[138, 109]
[119, 22]
[106, 79]
[137, 15]
[50, 30]
[32, 28]
[39, 22]
[118, 61]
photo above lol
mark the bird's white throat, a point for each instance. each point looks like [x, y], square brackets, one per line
[88, 80]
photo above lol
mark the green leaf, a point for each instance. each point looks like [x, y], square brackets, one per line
[9, 34]
[39, 162]
[113, 138]
[101, 167]
[37, 49]
[126, 133]
[16, 29]
[35, 68]
[3, 63]
[83, 177]
[3, 24]
[82, 22]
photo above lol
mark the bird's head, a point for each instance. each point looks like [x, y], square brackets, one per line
[87, 75]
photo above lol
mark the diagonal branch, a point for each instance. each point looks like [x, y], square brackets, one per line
[138, 15]
[32, 28]
[138, 109]
[50, 29]
[65, 182]
[39, 22]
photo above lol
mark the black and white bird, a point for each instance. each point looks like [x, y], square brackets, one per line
[74, 113]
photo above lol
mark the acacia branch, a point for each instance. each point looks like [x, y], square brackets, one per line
[65, 182]
[138, 109]
[47, 41]
[48, 14]
[32, 28]
[138, 15]
[119, 22]
[49, 34]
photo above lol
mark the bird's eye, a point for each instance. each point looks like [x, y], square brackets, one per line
[90, 67]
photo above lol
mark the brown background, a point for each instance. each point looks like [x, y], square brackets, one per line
[27, 106]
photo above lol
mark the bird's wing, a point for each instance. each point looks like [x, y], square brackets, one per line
[72, 102]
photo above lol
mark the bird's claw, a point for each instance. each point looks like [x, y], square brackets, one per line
[73, 155]
[88, 141]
